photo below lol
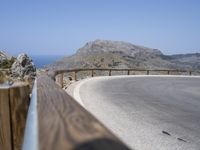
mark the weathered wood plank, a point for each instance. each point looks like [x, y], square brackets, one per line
[19, 102]
[63, 124]
[5, 126]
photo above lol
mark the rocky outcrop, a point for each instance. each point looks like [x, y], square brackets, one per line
[23, 67]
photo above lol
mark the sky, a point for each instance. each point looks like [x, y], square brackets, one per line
[60, 27]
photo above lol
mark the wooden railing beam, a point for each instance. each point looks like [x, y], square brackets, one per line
[64, 124]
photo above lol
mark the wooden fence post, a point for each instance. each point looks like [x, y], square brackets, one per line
[61, 80]
[14, 102]
[74, 75]
[110, 72]
[92, 73]
[147, 72]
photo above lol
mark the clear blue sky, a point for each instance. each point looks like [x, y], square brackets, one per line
[61, 27]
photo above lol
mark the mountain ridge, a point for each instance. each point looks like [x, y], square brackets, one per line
[119, 54]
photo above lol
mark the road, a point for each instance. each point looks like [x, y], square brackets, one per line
[148, 112]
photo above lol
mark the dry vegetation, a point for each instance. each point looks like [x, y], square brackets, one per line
[7, 64]
[2, 77]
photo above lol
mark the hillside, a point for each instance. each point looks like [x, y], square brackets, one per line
[117, 54]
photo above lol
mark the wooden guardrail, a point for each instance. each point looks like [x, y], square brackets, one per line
[62, 123]
[55, 120]
[53, 74]
[14, 102]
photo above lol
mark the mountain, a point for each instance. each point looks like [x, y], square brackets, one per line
[118, 54]
[122, 48]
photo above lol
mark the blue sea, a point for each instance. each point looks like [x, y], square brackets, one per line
[43, 60]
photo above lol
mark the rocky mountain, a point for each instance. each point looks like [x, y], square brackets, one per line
[118, 47]
[117, 54]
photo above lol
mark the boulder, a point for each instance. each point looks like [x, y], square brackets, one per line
[23, 67]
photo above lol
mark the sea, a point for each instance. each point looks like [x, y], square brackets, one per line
[41, 61]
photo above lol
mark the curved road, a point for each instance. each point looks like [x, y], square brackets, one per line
[147, 113]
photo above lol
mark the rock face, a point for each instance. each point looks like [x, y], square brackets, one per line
[23, 67]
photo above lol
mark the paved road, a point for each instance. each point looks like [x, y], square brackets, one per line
[148, 113]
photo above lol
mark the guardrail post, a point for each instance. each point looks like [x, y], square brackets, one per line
[92, 73]
[74, 75]
[128, 73]
[147, 72]
[190, 73]
[61, 80]
[110, 72]
[14, 102]
[168, 72]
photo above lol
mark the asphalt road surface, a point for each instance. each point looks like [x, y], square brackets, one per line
[147, 113]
